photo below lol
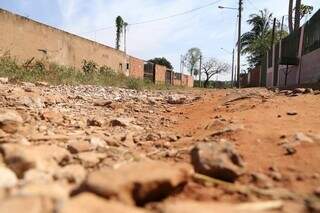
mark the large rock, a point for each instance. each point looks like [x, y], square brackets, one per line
[90, 203]
[217, 160]
[10, 121]
[176, 99]
[21, 158]
[139, 183]
[7, 178]
[26, 204]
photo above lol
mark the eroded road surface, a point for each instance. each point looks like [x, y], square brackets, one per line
[93, 149]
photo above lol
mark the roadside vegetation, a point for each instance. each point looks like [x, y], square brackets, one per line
[91, 74]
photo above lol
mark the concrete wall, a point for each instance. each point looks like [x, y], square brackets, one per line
[24, 39]
[160, 74]
[136, 68]
[310, 68]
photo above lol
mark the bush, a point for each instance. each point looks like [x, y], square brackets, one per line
[135, 84]
[55, 74]
[89, 66]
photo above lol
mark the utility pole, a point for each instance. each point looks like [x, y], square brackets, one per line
[200, 67]
[239, 43]
[125, 48]
[232, 69]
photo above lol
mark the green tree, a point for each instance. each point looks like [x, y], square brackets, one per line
[256, 42]
[192, 59]
[119, 25]
[299, 14]
[162, 61]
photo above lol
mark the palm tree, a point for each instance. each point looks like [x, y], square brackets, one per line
[290, 16]
[119, 31]
[257, 41]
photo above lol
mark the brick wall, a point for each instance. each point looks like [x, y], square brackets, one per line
[254, 77]
[24, 38]
[136, 68]
[187, 80]
[160, 75]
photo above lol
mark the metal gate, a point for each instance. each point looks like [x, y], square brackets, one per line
[149, 72]
[168, 79]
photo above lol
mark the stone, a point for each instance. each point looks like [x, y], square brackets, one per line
[205, 207]
[317, 192]
[90, 159]
[7, 178]
[176, 99]
[217, 160]
[152, 137]
[32, 100]
[309, 91]
[52, 116]
[262, 180]
[290, 150]
[42, 83]
[55, 191]
[121, 122]
[301, 137]
[97, 142]
[21, 158]
[74, 173]
[299, 90]
[77, 146]
[4, 80]
[313, 205]
[139, 182]
[10, 121]
[90, 203]
[292, 113]
[27, 204]
[102, 103]
[94, 122]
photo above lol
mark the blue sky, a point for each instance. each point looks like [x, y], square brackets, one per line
[210, 29]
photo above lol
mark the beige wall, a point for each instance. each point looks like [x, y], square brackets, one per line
[160, 75]
[23, 38]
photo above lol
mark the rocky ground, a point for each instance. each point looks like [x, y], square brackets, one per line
[93, 149]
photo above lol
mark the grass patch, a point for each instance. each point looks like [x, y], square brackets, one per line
[34, 71]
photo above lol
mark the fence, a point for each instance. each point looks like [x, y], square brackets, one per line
[295, 60]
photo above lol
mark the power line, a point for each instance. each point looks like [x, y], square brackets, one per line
[178, 14]
[160, 19]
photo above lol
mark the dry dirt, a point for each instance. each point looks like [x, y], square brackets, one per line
[94, 149]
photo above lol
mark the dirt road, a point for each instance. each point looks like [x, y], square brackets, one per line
[94, 149]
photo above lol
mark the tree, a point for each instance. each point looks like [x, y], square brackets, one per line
[162, 61]
[299, 14]
[256, 42]
[213, 67]
[119, 25]
[297, 17]
[192, 59]
[290, 18]
[305, 10]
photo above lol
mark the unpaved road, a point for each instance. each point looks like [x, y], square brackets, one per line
[93, 149]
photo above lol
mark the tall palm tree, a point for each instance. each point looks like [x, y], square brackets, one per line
[119, 31]
[257, 41]
[290, 17]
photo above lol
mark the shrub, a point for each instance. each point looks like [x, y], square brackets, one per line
[89, 66]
